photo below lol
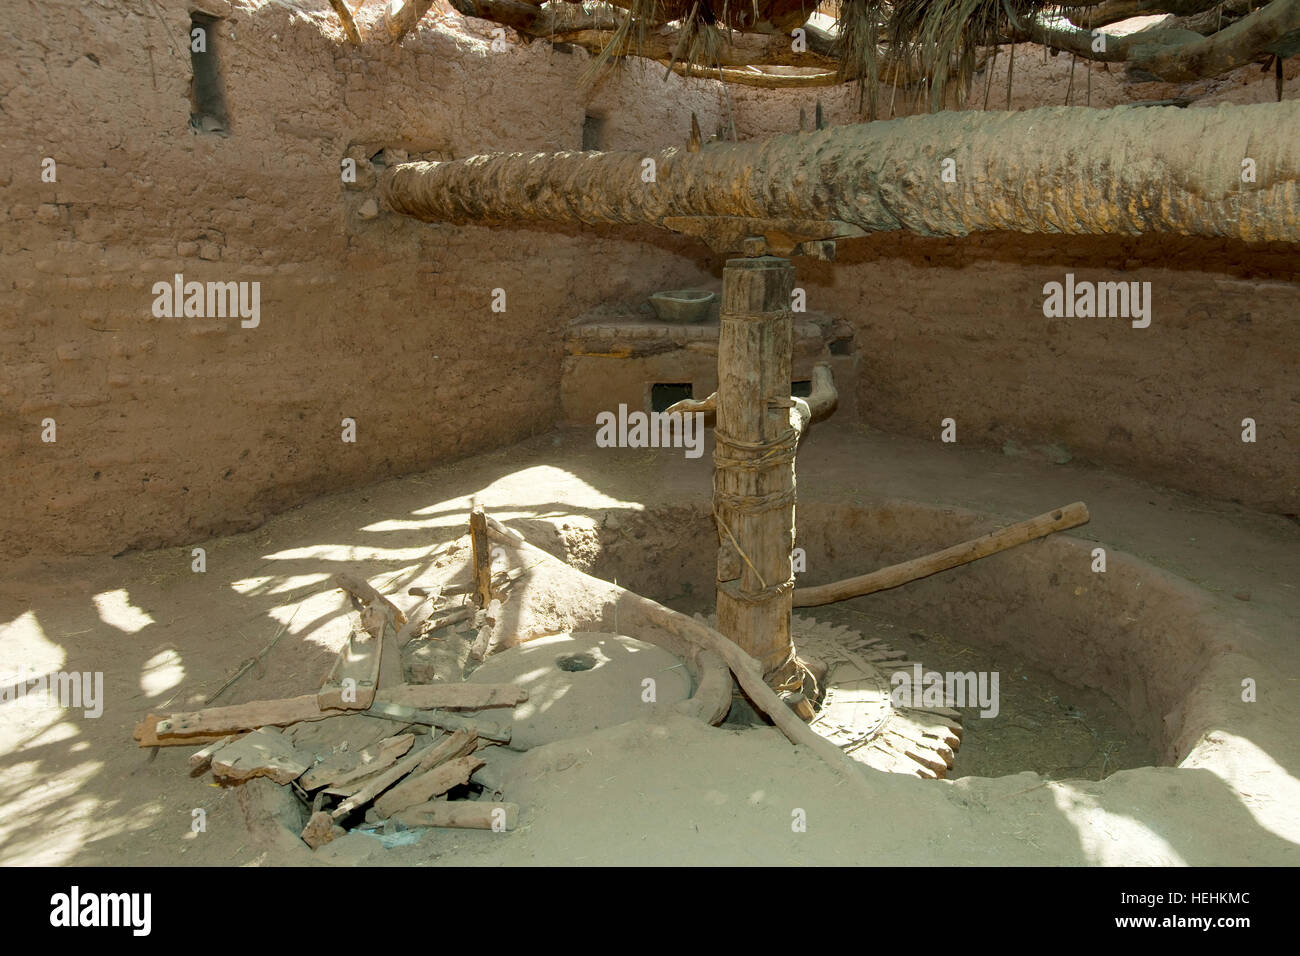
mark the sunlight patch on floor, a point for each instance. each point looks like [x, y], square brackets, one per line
[1251, 773]
[26, 649]
[161, 673]
[116, 610]
[1112, 839]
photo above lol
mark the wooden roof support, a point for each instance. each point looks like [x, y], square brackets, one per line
[349, 25]
[753, 461]
[402, 16]
[1065, 170]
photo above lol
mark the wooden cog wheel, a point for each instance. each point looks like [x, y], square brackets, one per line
[853, 709]
[856, 713]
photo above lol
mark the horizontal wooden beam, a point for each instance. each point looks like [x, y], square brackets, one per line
[1018, 171]
[1062, 519]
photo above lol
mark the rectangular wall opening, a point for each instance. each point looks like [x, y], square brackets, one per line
[667, 393]
[207, 92]
[593, 132]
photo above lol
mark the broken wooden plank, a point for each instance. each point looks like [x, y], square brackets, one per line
[354, 677]
[199, 760]
[447, 747]
[321, 829]
[390, 659]
[423, 611]
[462, 814]
[146, 732]
[344, 767]
[423, 787]
[353, 780]
[375, 784]
[500, 731]
[263, 753]
[443, 620]
[483, 642]
[412, 763]
[482, 558]
[216, 722]
[361, 589]
[212, 724]
[453, 695]
[343, 730]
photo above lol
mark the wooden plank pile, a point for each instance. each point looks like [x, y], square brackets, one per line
[368, 749]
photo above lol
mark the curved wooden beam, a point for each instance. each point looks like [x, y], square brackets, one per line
[745, 669]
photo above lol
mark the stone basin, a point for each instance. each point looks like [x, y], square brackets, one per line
[683, 306]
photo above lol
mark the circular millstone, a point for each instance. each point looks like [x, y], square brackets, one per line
[584, 681]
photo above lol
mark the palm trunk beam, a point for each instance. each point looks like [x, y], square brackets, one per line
[1228, 171]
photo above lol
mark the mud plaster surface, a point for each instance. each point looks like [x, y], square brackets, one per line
[607, 691]
[174, 430]
[79, 790]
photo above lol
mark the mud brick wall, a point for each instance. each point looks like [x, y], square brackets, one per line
[172, 429]
[955, 329]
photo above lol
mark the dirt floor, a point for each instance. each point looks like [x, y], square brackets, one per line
[1223, 580]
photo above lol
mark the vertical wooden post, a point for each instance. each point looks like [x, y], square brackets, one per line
[753, 479]
[478, 536]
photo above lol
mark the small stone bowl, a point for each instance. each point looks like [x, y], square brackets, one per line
[682, 306]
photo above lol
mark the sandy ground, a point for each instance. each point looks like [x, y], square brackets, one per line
[78, 790]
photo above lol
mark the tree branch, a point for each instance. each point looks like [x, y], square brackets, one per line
[751, 76]
[1272, 29]
[744, 49]
[759, 35]
[1113, 11]
[525, 17]
[1175, 54]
